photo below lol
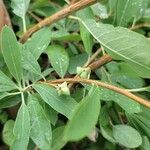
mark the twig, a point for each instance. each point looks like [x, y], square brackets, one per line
[91, 59]
[93, 66]
[98, 63]
[104, 85]
[34, 16]
[57, 16]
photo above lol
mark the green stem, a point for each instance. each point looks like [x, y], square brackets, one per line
[24, 24]
[15, 93]
[139, 89]
[22, 98]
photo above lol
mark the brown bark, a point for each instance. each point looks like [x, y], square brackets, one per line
[4, 16]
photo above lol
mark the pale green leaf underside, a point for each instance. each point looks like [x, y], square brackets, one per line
[20, 7]
[123, 44]
[127, 136]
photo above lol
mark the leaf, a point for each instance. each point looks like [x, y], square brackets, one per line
[100, 10]
[63, 104]
[123, 44]
[107, 134]
[38, 43]
[20, 7]
[86, 36]
[11, 52]
[8, 136]
[77, 61]
[6, 83]
[58, 141]
[59, 59]
[9, 101]
[3, 95]
[51, 114]
[21, 129]
[30, 63]
[126, 103]
[145, 143]
[84, 118]
[127, 136]
[40, 126]
[129, 10]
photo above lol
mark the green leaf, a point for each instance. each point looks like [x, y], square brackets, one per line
[20, 7]
[8, 136]
[77, 61]
[11, 52]
[129, 10]
[63, 104]
[38, 43]
[84, 118]
[145, 143]
[58, 141]
[3, 95]
[40, 126]
[9, 101]
[6, 83]
[107, 134]
[51, 114]
[21, 129]
[30, 63]
[100, 10]
[126, 103]
[85, 35]
[59, 59]
[123, 44]
[127, 136]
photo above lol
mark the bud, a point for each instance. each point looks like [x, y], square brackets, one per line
[84, 72]
[63, 89]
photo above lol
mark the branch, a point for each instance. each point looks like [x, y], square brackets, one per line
[98, 63]
[104, 85]
[57, 16]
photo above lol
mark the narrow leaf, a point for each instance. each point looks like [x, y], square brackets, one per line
[38, 43]
[6, 83]
[11, 52]
[59, 59]
[127, 136]
[84, 118]
[123, 44]
[40, 125]
[85, 35]
[63, 104]
[21, 129]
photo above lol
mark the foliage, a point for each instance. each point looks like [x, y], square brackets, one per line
[66, 115]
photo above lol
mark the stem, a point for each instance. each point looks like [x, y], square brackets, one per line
[103, 85]
[15, 93]
[140, 89]
[24, 24]
[22, 98]
[57, 16]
